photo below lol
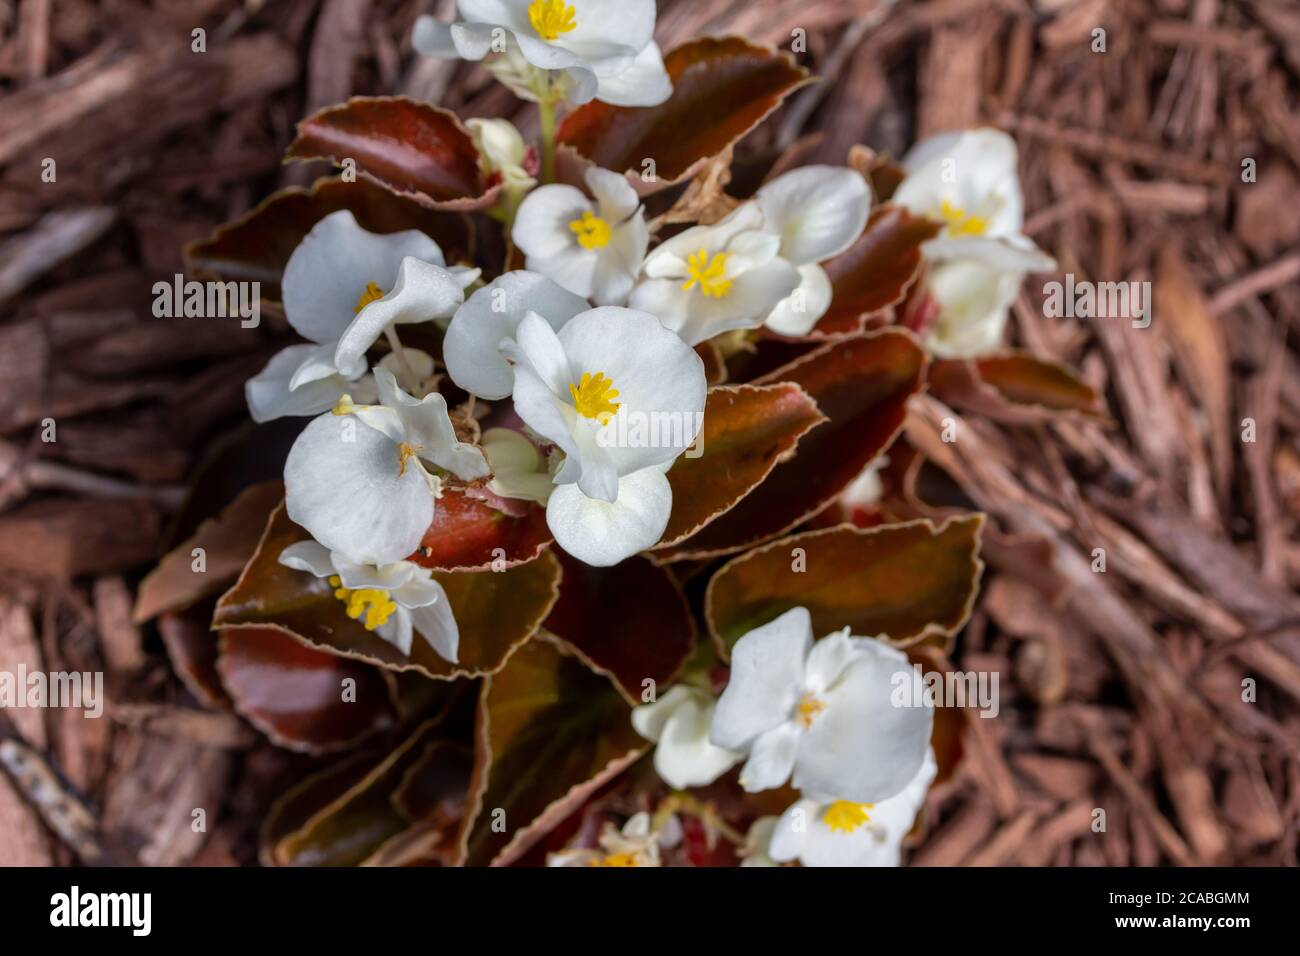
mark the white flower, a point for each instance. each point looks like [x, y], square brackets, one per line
[636, 844]
[712, 279]
[974, 300]
[593, 249]
[355, 478]
[818, 211]
[343, 287]
[829, 832]
[820, 711]
[969, 181]
[602, 49]
[503, 154]
[678, 722]
[393, 600]
[621, 397]
[472, 347]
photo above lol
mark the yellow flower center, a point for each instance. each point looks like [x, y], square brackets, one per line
[374, 603]
[617, 859]
[344, 406]
[594, 396]
[844, 816]
[591, 230]
[372, 294]
[961, 224]
[550, 18]
[709, 273]
[808, 709]
[405, 452]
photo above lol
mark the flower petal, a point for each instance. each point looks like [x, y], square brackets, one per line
[645, 82]
[863, 747]
[798, 312]
[437, 625]
[311, 556]
[685, 757]
[342, 484]
[816, 210]
[329, 270]
[603, 533]
[471, 348]
[269, 395]
[767, 678]
[771, 758]
[422, 293]
[428, 429]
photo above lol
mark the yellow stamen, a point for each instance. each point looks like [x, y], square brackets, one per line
[959, 223]
[809, 708]
[372, 294]
[844, 816]
[591, 230]
[405, 452]
[344, 406]
[594, 396]
[550, 18]
[709, 273]
[616, 859]
[374, 603]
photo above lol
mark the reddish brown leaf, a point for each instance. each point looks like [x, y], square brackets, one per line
[225, 544]
[468, 534]
[876, 271]
[1013, 387]
[722, 88]
[295, 695]
[905, 582]
[496, 611]
[630, 621]
[344, 814]
[257, 246]
[418, 151]
[550, 732]
[191, 646]
[748, 429]
[861, 385]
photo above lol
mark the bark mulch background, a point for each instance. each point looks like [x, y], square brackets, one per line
[1120, 690]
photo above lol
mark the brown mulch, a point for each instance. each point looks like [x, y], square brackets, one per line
[1164, 691]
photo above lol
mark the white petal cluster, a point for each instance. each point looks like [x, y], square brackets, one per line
[545, 49]
[821, 715]
[969, 181]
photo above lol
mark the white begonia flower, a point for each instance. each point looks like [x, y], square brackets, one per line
[355, 477]
[587, 49]
[519, 469]
[712, 279]
[636, 844]
[504, 157]
[974, 300]
[969, 181]
[622, 397]
[472, 347]
[818, 211]
[678, 722]
[393, 600]
[343, 287]
[593, 249]
[821, 711]
[830, 832]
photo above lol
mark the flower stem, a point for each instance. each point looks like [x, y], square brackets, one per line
[546, 118]
[411, 381]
